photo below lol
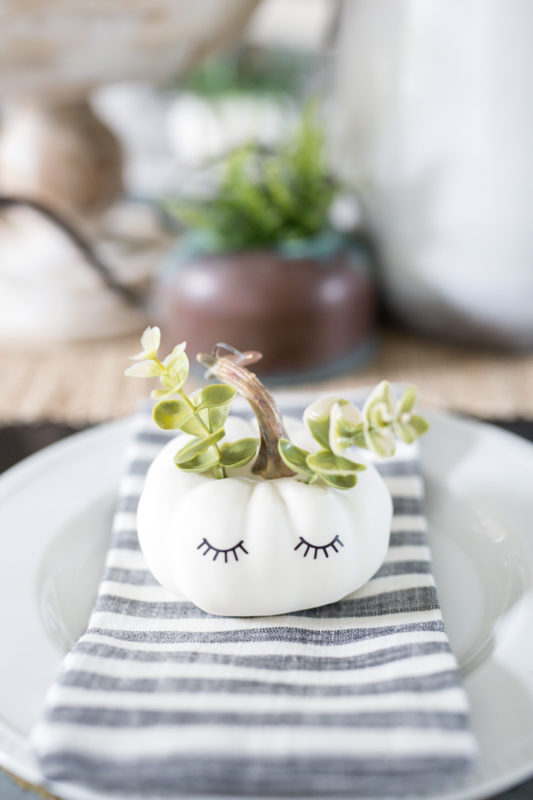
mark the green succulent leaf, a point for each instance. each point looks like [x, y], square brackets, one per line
[174, 380]
[379, 415]
[216, 394]
[195, 426]
[380, 394]
[201, 462]
[419, 424]
[404, 432]
[197, 446]
[239, 453]
[327, 463]
[411, 430]
[150, 341]
[143, 369]
[346, 427]
[177, 358]
[319, 429]
[172, 413]
[317, 419]
[378, 410]
[407, 401]
[215, 417]
[295, 458]
[380, 442]
[340, 481]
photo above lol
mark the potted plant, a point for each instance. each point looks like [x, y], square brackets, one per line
[269, 517]
[262, 266]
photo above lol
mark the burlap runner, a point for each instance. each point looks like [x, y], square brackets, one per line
[83, 383]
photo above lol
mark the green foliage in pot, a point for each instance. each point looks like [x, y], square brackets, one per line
[264, 198]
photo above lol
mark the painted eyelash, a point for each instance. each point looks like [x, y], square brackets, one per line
[325, 547]
[217, 551]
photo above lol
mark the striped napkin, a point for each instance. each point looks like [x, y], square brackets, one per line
[359, 698]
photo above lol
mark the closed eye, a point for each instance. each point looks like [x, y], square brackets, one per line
[205, 547]
[307, 547]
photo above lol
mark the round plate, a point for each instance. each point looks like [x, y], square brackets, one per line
[55, 513]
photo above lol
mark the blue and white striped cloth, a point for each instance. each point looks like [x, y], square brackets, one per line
[360, 698]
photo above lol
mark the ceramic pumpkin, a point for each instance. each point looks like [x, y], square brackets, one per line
[265, 517]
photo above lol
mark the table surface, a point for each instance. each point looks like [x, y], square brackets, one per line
[19, 441]
[84, 383]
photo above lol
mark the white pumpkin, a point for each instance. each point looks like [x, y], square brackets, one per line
[246, 546]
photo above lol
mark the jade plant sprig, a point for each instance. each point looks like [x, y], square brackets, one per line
[334, 423]
[201, 414]
[338, 425]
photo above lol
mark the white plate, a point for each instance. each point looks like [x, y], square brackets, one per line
[55, 511]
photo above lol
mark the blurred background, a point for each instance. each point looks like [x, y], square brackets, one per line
[345, 186]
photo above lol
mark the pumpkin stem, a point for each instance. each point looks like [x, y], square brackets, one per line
[229, 367]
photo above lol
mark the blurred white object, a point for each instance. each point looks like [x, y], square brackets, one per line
[201, 129]
[65, 48]
[60, 154]
[50, 293]
[137, 113]
[53, 148]
[298, 24]
[434, 123]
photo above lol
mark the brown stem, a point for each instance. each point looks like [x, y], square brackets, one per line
[230, 368]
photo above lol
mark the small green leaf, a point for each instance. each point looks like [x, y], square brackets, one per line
[359, 438]
[380, 442]
[172, 413]
[340, 481]
[378, 415]
[199, 445]
[411, 429]
[151, 339]
[195, 426]
[316, 418]
[201, 462]
[404, 432]
[217, 394]
[207, 420]
[380, 396]
[143, 369]
[236, 454]
[216, 416]
[295, 457]
[326, 463]
[175, 360]
[420, 424]
[407, 401]
[345, 428]
[319, 429]
[174, 380]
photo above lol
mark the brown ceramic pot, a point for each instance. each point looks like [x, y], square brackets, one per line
[310, 310]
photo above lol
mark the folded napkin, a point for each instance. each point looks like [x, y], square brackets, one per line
[359, 698]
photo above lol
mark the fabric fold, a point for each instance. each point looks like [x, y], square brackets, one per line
[361, 697]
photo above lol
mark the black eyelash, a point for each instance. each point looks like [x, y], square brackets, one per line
[325, 547]
[209, 547]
